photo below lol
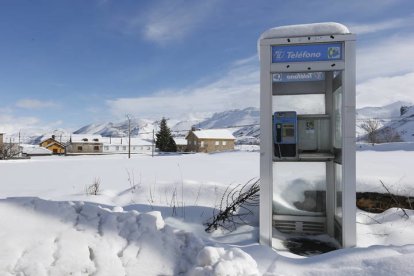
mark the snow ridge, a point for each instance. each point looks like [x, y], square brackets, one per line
[83, 239]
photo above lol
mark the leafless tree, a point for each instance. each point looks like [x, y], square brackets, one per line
[9, 150]
[371, 127]
[389, 134]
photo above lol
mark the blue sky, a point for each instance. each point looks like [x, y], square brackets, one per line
[65, 64]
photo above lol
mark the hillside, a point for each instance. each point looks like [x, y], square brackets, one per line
[390, 119]
[244, 123]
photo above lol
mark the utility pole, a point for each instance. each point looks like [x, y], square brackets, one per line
[129, 136]
[153, 141]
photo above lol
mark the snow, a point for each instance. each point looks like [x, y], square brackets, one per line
[180, 141]
[68, 238]
[148, 218]
[34, 150]
[85, 138]
[314, 29]
[218, 261]
[214, 134]
[404, 146]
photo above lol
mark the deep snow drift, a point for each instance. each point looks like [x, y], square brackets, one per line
[147, 218]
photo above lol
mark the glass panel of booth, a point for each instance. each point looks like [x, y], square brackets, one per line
[338, 196]
[303, 195]
[308, 103]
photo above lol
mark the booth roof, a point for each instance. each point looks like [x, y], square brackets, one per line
[327, 28]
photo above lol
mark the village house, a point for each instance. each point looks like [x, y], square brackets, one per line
[120, 145]
[84, 144]
[210, 140]
[181, 144]
[53, 145]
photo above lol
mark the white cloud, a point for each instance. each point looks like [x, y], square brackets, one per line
[239, 88]
[10, 124]
[35, 104]
[389, 57]
[169, 20]
[386, 90]
[384, 74]
[396, 23]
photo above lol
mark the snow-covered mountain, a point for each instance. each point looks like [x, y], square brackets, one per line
[35, 136]
[403, 125]
[395, 118]
[232, 118]
[139, 127]
[244, 123]
[382, 112]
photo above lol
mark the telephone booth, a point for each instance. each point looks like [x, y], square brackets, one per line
[307, 124]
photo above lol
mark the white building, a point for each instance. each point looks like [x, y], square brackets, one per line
[120, 145]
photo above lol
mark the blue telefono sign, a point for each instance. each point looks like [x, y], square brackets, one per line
[307, 52]
[298, 77]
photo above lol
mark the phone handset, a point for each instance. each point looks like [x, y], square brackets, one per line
[278, 133]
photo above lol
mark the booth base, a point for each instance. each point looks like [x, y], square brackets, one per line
[304, 246]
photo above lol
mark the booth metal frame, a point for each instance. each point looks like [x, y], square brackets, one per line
[347, 66]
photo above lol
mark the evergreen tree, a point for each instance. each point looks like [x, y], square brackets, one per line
[165, 141]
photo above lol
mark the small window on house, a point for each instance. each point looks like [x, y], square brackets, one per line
[195, 143]
[106, 148]
[133, 148]
[96, 140]
[79, 148]
[224, 143]
[124, 148]
[148, 148]
[217, 143]
[202, 144]
[85, 139]
[117, 148]
[95, 148]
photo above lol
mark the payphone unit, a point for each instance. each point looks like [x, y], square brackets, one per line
[307, 139]
[284, 134]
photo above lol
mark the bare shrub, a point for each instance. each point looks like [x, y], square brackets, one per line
[94, 188]
[134, 185]
[388, 135]
[235, 206]
[398, 204]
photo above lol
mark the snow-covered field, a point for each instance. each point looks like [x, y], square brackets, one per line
[148, 218]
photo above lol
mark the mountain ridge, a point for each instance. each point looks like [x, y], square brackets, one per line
[244, 124]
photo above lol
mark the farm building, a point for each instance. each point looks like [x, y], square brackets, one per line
[181, 144]
[53, 145]
[120, 145]
[210, 140]
[84, 144]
